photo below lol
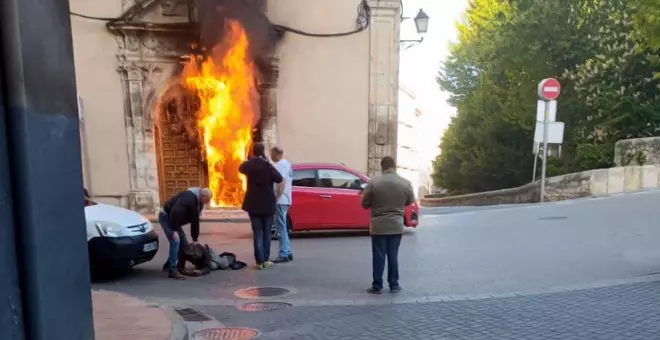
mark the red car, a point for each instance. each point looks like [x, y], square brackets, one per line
[327, 197]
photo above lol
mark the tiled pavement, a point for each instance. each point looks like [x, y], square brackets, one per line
[121, 317]
[626, 312]
[550, 271]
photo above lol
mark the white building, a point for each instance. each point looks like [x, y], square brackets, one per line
[408, 134]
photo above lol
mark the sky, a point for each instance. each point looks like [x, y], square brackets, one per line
[419, 65]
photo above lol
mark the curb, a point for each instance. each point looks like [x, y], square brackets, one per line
[179, 329]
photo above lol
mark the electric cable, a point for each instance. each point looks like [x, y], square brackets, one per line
[363, 21]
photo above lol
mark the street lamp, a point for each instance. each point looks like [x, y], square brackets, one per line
[421, 24]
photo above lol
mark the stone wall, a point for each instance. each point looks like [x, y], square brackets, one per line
[583, 184]
[637, 151]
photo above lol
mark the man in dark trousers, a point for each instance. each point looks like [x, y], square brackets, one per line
[260, 201]
[183, 208]
[387, 196]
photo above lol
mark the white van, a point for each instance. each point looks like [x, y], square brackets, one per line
[117, 238]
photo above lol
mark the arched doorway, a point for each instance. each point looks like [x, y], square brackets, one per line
[180, 162]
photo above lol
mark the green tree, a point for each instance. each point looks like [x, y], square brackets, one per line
[617, 85]
[647, 20]
[504, 50]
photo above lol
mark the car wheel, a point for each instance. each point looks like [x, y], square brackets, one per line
[275, 234]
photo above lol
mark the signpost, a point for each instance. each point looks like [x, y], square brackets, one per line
[548, 91]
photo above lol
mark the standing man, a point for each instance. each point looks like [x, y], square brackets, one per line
[284, 201]
[183, 208]
[260, 201]
[387, 196]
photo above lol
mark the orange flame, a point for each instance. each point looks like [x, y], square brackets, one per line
[225, 86]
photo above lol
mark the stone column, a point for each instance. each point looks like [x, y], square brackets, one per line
[267, 89]
[383, 81]
[138, 126]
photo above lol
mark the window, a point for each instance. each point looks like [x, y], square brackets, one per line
[304, 178]
[339, 180]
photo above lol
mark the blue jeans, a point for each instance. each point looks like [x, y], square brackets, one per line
[173, 256]
[261, 237]
[281, 225]
[382, 247]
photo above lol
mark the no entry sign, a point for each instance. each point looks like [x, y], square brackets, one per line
[549, 89]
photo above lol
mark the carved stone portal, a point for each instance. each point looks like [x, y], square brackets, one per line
[149, 55]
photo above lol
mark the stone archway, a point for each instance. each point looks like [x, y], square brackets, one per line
[149, 56]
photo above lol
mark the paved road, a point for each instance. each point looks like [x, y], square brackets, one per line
[585, 269]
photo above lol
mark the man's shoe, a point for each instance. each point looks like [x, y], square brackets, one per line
[374, 291]
[176, 275]
[281, 259]
[290, 257]
[267, 265]
[395, 289]
[166, 267]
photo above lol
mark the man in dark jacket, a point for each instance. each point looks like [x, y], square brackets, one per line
[387, 196]
[184, 208]
[260, 201]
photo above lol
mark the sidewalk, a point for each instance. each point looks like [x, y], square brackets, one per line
[121, 317]
[232, 215]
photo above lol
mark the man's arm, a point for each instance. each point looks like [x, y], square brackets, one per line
[275, 174]
[366, 196]
[243, 168]
[194, 227]
[410, 194]
[280, 190]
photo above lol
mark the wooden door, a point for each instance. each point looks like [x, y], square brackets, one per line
[180, 164]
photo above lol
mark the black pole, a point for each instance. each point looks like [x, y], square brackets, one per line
[45, 167]
[11, 313]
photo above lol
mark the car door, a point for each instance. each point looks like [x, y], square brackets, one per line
[305, 212]
[342, 193]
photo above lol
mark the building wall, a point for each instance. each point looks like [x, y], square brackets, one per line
[99, 86]
[336, 97]
[323, 88]
[408, 138]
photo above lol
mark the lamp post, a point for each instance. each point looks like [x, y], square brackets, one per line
[421, 25]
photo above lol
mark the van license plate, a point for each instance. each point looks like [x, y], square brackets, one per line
[150, 247]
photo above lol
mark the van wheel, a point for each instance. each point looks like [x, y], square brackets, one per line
[275, 234]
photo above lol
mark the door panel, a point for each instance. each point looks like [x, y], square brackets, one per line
[305, 212]
[342, 193]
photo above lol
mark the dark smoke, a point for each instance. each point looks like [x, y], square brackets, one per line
[175, 106]
[213, 15]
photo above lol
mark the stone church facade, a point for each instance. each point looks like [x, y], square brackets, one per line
[325, 99]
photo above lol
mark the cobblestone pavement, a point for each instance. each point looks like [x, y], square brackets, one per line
[627, 312]
[584, 269]
[121, 317]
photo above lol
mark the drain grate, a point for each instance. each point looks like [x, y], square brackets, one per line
[550, 218]
[261, 292]
[191, 315]
[263, 306]
[229, 333]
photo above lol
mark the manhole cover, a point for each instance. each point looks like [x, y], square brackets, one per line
[263, 306]
[553, 218]
[261, 292]
[191, 315]
[230, 333]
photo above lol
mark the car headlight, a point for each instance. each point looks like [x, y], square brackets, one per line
[107, 229]
[148, 227]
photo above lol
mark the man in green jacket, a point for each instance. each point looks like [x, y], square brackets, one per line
[387, 196]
